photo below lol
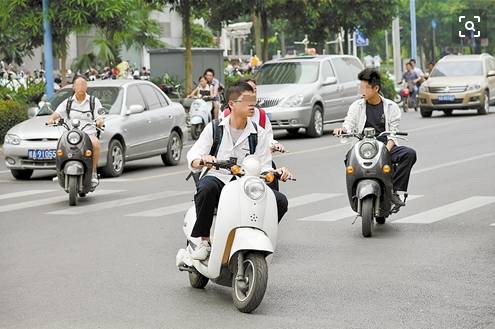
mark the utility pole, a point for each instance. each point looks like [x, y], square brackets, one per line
[412, 10]
[47, 38]
[386, 45]
[396, 49]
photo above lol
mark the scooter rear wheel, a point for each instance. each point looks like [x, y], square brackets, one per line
[248, 297]
[72, 190]
[197, 280]
[196, 130]
[367, 215]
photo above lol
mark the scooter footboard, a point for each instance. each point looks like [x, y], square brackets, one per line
[248, 238]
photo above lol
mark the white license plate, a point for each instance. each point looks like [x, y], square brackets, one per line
[446, 98]
[42, 154]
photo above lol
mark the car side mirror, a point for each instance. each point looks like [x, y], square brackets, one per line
[491, 73]
[330, 81]
[134, 109]
[44, 98]
[33, 111]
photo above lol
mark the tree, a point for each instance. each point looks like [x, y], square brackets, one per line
[202, 37]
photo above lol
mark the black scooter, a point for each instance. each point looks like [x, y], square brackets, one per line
[369, 171]
[75, 160]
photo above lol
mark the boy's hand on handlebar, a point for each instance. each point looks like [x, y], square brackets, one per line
[339, 131]
[284, 174]
[205, 161]
[99, 123]
[277, 147]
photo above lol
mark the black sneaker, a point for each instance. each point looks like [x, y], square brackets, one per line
[395, 199]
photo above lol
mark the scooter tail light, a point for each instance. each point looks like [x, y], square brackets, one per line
[350, 170]
[88, 153]
[60, 153]
[386, 169]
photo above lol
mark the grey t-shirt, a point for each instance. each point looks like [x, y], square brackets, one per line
[235, 133]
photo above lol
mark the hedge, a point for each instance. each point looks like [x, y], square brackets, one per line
[11, 113]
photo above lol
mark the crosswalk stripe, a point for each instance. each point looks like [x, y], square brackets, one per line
[492, 224]
[23, 193]
[46, 201]
[310, 198]
[118, 203]
[341, 213]
[164, 211]
[449, 210]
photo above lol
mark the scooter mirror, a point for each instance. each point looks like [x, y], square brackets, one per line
[76, 123]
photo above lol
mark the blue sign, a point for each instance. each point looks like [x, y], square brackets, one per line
[361, 40]
[433, 24]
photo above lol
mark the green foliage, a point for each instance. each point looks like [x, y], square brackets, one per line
[388, 87]
[27, 95]
[11, 113]
[233, 79]
[202, 37]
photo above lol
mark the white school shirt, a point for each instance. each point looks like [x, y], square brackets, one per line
[81, 111]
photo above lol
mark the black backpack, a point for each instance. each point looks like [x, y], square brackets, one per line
[91, 106]
[217, 140]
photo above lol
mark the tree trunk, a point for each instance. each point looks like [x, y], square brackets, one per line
[63, 60]
[264, 26]
[345, 45]
[257, 34]
[186, 25]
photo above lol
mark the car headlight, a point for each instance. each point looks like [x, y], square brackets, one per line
[293, 101]
[74, 137]
[12, 139]
[475, 86]
[368, 150]
[254, 188]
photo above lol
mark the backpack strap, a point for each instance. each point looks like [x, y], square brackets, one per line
[68, 107]
[253, 140]
[217, 137]
[92, 106]
[262, 118]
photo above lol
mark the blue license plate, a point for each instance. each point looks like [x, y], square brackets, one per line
[42, 154]
[446, 98]
[269, 115]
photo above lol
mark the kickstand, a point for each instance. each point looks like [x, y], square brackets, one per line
[355, 219]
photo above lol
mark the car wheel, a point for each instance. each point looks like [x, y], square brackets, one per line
[447, 113]
[425, 113]
[485, 107]
[115, 159]
[174, 150]
[21, 174]
[315, 128]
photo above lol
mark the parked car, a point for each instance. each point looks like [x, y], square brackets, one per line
[140, 122]
[459, 83]
[308, 91]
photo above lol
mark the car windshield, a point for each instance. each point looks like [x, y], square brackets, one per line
[110, 98]
[287, 73]
[457, 69]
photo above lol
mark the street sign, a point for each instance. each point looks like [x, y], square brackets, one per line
[361, 40]
[433, 24]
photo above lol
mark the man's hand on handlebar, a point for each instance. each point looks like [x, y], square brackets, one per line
[205, 161]
[277, 147]
[284, 174]
[339, 131]
[100, 123]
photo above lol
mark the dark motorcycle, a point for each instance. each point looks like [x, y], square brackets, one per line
[369, 171]
[75, 160]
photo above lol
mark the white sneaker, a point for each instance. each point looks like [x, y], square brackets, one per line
[94, 181]
[202, 251]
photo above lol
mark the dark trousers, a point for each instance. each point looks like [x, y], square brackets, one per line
[404, 158]
[206, 200]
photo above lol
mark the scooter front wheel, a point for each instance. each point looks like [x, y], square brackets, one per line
[72, 190]
[197, 280]
[248, 294]
[196, 130]
[367, 215]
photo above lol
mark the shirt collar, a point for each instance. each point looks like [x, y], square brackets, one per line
[250, 129]
[85, 99]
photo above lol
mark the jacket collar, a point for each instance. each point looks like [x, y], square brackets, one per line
[248, 130]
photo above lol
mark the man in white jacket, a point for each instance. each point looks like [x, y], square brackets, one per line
[375, 111]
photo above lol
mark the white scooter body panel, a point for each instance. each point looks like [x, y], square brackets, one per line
[201, 111]
[255, 222]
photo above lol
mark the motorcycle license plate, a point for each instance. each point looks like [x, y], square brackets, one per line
[42, 154]
[446, 98]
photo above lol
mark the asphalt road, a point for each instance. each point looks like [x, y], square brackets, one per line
[110, 262]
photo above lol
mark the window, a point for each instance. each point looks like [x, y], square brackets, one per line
[134, 97]
[327, 70]
[162, 98]
[150, 97]
[288, 73]
[347, 68]
[457, 69]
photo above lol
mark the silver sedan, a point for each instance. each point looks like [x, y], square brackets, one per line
[140, 122]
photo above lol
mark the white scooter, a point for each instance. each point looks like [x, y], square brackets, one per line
[244, 233]
[200, 114]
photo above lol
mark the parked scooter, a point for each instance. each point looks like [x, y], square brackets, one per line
[369, 171]
[244, 233]
[200, 115]
[75, 160]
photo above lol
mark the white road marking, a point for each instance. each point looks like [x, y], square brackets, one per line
[341, 213]
[46, 201]
[448, 164]
[23, 193]
[310, 198]
[449, 210]
[118, 203]
[492, 224]
[4, 171]
[164, 211]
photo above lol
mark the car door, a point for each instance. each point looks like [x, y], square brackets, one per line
[137, 126]
[490, 64]
[329, 92]
[347, 71]
[160, 120]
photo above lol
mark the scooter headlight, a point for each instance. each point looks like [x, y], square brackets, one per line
[254, 188]
[368, 150]
[74, 138]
